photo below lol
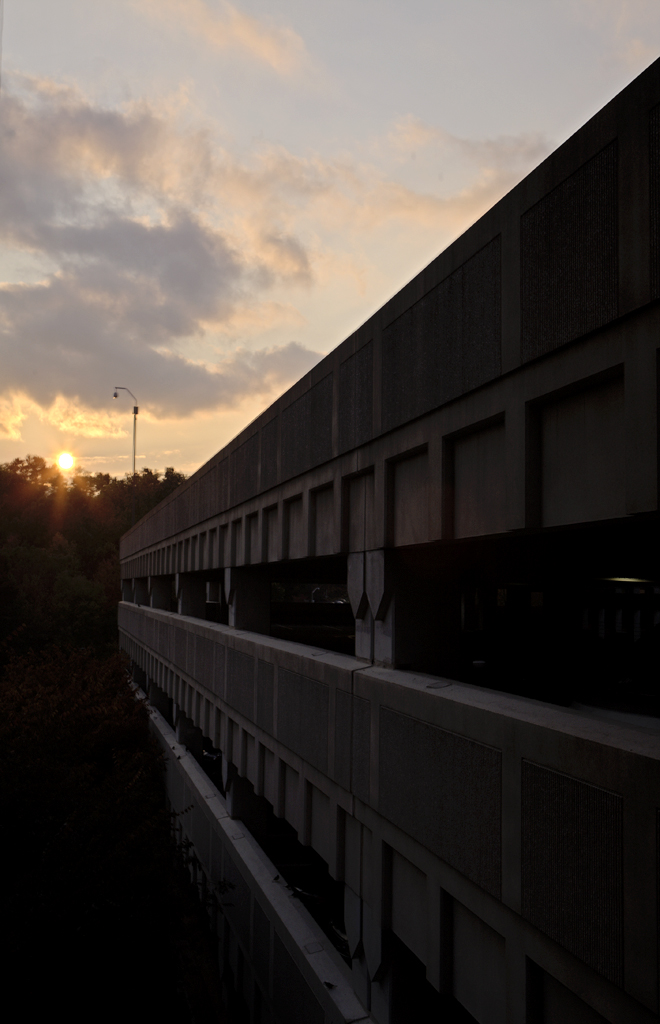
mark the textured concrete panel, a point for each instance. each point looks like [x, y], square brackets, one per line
[361, 749]
[356, 398]
[164, 634]
[321, 833]
[320, 448]
[352, 743]
[359, 510]
[409, 903]
[302, 716]
[307, 430]
[271, 535]
[240, 682]
[411, 500]
[295, 529]
[323, 519]
[569, 257]
[204, 661]
[445, 791]
[269, 449]
[219, 670]
[571, 866]
[244, 470]
[265, 675]
[445, 344]
[583, 456]
[343, 716]
[561, 1006]
[479, 968]
[252, 545]
[180, 649]
[654, 124]
[480, 483]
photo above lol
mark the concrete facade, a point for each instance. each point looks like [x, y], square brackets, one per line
[413, 610]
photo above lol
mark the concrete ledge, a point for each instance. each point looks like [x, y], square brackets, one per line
[191, 791]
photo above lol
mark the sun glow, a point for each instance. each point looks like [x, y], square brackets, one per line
[65, 460]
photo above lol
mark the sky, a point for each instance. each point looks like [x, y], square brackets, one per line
[199, 199]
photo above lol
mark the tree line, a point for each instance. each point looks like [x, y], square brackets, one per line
[59, 545]
[99, 916]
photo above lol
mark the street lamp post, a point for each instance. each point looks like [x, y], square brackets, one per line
[135, 413]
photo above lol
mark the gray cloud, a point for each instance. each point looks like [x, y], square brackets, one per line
[130, 286]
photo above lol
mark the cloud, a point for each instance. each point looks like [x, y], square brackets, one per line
[279, 48]
[630, 28]
[169, 259]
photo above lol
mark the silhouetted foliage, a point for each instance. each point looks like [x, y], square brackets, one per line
[95, 904]
[98, 914]
[59, 542]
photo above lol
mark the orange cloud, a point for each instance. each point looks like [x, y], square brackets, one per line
[280, 48]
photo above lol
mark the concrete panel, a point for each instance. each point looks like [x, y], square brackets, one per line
[361, 748]
[244, 470]
[356, 398]
[251, 765]
[409, 904]
[307, 429]
[359, 509]
[204, 661]
[265, 683]
[410, 481]
[269, 451]
[237, 543]
[479, 968]
[218, 684]
[295, 532]
[480, 483]
[569, 257]
[561, 1006]
[252, 539]
[583, 456]
[343, 719]
[447, 342]
[323, 519]
[240, 682]
[445, 790]
[302, 716]
[352, 743]
[321, 833]
[272, 535]
[292, 801]
[180, 649]
[270, 777]
[572, 879]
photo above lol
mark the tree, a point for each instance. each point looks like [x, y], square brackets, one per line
[59, 544]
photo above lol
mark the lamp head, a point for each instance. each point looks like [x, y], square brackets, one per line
[115, 395]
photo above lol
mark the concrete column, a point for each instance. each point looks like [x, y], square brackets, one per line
[364, 624]
[379, 586]
[191, 595]
[248, 598]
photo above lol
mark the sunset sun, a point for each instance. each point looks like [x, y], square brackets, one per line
[65, 460]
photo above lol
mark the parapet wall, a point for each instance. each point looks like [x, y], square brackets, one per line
[483, 818]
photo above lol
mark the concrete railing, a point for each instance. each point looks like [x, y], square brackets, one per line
[537, 823]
